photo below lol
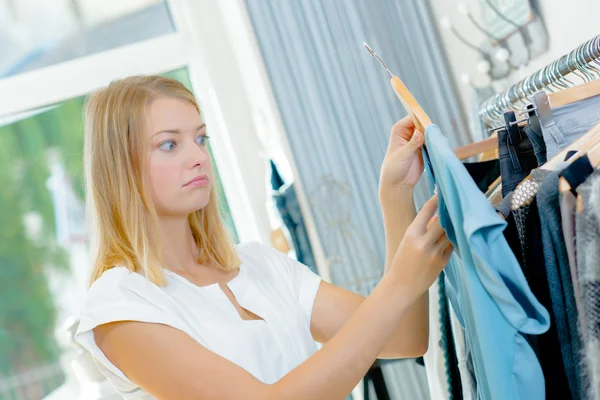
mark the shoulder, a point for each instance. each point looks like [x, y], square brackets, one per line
[264, 260]
[118, 281]
[262, 257]
[253, 249]
[120, 289]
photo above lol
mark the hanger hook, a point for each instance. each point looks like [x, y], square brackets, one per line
[575, 69]
[372, 53]
[564, 78]
[593, 64]
[557, 76]
[585, 63]
[581, 64]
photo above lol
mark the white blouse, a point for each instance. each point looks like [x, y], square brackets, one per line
[271, 285]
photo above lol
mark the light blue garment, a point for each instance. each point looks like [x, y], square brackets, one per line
[485, 283]
[565, 124]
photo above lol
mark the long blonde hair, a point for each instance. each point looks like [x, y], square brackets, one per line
[122, 218]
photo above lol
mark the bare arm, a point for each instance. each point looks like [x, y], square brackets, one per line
[334, 306]
[411, 337]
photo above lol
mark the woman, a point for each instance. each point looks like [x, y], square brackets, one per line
[175, 311]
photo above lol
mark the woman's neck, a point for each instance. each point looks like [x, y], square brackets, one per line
[179, 248]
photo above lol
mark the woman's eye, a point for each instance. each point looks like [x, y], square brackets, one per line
[167, 145]
[202, 140]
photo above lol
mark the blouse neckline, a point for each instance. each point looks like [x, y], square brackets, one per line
[235, 284]
[215, 285]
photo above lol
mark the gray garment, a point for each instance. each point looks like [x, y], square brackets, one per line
[504, 206]
[560, 281]
[588, 268]
[568, 202]
[568, 123]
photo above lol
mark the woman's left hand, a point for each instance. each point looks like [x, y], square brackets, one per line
[403, 163]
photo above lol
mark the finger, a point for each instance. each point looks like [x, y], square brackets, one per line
[403, 129]
[416, 141]
[435, 231]
[448, 252]
[442, 245]
[425, 214]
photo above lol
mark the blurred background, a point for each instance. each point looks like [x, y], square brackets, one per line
[296, 109]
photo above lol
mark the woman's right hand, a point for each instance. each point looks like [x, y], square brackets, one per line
[423, 252]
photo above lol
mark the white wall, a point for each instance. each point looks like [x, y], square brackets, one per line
[569, 23]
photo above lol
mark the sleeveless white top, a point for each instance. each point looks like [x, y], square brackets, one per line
[269, 284]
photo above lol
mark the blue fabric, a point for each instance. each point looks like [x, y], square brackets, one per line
[568, 123]
[485, 283]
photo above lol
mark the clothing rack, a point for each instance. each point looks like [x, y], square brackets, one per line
[579, 62]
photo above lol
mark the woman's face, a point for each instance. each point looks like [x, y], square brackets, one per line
[178, 169]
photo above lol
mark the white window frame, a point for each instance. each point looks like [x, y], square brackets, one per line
[215, 41]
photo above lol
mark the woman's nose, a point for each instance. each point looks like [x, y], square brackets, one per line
[198, 155]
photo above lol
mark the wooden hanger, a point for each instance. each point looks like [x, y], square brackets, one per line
[411, 105]
[594, 155]
[575, 94]
[473, 149]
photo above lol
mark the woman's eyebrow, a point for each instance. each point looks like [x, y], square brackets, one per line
[178, 130]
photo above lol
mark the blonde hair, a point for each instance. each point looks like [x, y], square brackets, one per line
[122, 217]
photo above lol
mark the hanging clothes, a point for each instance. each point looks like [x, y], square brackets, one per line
[286, 201]
[484, 282]
[575, 174]
[516, 155]
[448, 363]
[483, 173]
[560, 282]
[527, 221]
[588, 268]
[533, 130]
[561, 126]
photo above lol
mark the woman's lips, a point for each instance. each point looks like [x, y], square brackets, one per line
[198, 181]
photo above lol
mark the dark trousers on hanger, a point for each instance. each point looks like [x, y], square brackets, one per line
[375, 376]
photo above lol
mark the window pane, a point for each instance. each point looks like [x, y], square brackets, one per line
[35, 34]
[44, 258]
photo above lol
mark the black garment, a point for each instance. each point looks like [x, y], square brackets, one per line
[577, 172]
[534, 132]
[484, 173]
[560, 282]
[286, 201]
[527, 222]
[516, 156]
